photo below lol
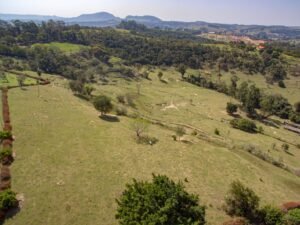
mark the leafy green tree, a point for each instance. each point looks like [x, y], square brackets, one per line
[244, 125]
[103, 104]
[160, 202]
[77, 86]
[241, 201]
[275, 105]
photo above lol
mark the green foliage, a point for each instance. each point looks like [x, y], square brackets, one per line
[231, 108]
[103, 104]
[5, 135]
[180, 131]
[160, 75]
[281, 84]
[8, 199]
[271, 215]
[275, 105]
[295, 117]
[139, 125]
[292, 217]
[6, 152]
[217, 132]
[285, 147]
[121, 111]
[161, 201]
[241, 201]
[244, 125]
[181, 69]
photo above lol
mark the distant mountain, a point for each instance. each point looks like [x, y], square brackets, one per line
[104, 19]
[100, 16]
[9, 17]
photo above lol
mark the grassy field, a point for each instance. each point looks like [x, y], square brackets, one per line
[12, 80]
[65, 47]
[71, 166]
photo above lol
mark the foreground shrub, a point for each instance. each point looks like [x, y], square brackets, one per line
[241, 201]
[8, 199]
[292, 217]
[5, 153]
[244, 125]
[161, 201]
[271, 215]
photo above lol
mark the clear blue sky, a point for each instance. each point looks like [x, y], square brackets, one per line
[268, 12]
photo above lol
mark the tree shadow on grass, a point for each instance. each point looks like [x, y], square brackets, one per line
[109, 118]
[10, 214]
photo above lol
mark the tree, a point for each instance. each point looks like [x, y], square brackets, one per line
[161, 201]
[103, 104]
[244, 125]
[241, 201]
[180, 131]
[139, 126]
[77, 86]
[231, 108]
[88, 89]
[181, 69]
[275, 105]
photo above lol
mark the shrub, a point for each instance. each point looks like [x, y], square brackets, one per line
[292, 217]
[121, 99]
[147, 140]
[244, 125]
[6, 152]
[297, 107]
[231, 108]
[8, 199]
[161, 201]
[271, 215]
[295, 117]
[103, 104]
[5, 135]
[281, 84]
[285, 147]
[217, 132]
[121, 111]
[241, 201]
[180, 131]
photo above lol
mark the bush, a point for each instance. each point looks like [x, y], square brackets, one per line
[295, 117]
[285, 147]
[121, 99]
[231, 108]
[6, 152]
[8, 199]
[147, 140]
[281, 84]
[292, 217]
[244, 125]
[217, 132]
[121, 111]
[161, 201]
[5, 135]
[241, 201]
[271, 215]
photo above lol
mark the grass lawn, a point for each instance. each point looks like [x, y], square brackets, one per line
[71, 166]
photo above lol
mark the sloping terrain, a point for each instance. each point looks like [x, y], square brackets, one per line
[71, 165]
